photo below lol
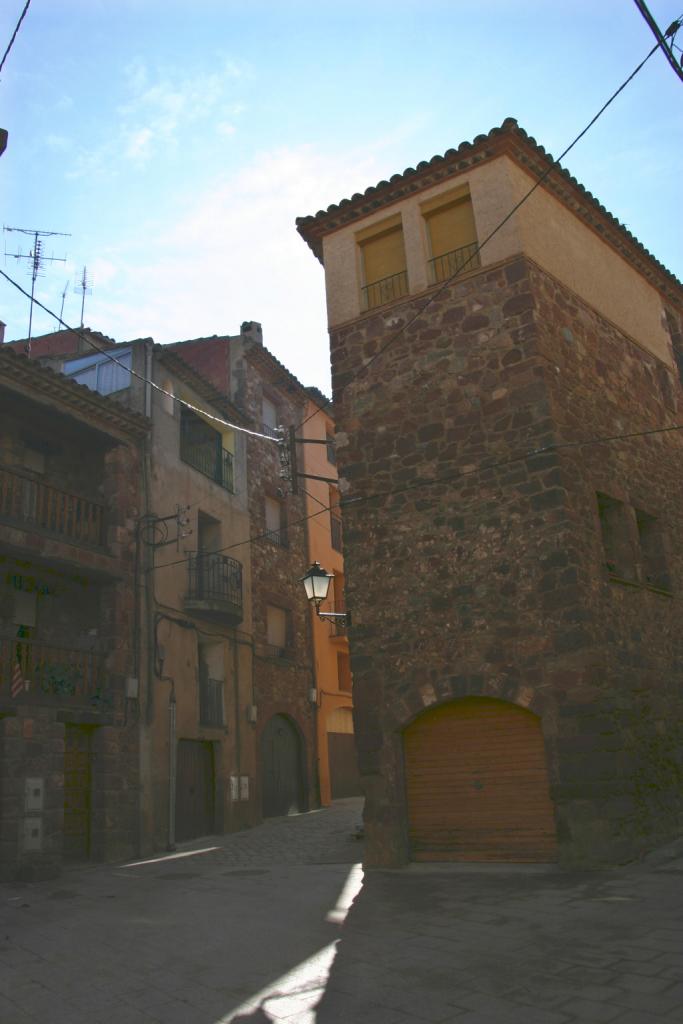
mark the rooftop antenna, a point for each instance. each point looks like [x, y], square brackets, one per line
[61, 310]
[84, 286]
[37, 259]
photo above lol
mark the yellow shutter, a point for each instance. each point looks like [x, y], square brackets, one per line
[383, 255]
[451, 227]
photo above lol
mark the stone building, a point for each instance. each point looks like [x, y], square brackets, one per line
[337, 761]
[516, 647]
[194, 650]
[70, 477]
[284, 684]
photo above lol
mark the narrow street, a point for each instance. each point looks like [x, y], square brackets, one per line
[256, 927]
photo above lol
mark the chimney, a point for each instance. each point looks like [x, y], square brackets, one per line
[252, 331]
[2, 332]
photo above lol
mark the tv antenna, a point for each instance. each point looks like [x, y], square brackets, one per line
[61, 310]
[37, 259]
[84, 286]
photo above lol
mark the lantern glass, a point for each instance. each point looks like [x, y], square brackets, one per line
[317, 583]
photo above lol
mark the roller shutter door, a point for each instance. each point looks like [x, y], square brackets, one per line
[477, 784]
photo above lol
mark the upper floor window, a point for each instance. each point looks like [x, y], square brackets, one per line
[202, 447]
[100, 373]
[276, 521]
[269, 416]
[452, 237]
[383, 263]
[652, 551]
[331, 450]
[615, 526]
[279, 629]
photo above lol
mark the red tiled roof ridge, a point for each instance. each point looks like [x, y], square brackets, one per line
[384, 192]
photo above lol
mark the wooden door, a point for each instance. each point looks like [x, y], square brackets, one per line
[281, 768]
[341, 753]
[77, 791]
[194, 790]
[477, 784]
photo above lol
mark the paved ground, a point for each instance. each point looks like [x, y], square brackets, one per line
[253, 928]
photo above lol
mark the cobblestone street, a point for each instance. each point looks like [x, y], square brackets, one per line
[253, 927]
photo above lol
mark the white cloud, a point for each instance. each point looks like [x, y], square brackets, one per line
[225, 128]
[235, 255]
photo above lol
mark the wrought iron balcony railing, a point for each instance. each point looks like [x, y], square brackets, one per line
[215, 581]
[216, 463]
[33, 503]
[386, 290]
[464, 258]
[34, 672]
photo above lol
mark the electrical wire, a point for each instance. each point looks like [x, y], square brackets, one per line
[14, 35]
[449, 280]
[445, 478]
[134, 373]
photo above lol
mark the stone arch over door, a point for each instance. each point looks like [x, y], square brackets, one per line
[282, 768]
[477, 785]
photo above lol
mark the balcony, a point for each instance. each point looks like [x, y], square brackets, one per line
[451, 263]
[216, 463]
[215, 587]
[34, 504]
[385, 290]
[36, 673]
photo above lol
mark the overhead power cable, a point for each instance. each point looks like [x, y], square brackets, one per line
[162, 391]
[14, 35]
[423, 482]
[662, 37]
[480, 245]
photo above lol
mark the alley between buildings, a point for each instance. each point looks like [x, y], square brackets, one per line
[255, 927]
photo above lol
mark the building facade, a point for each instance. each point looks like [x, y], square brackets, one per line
[284, 685]
[337, 761]
[70, 496]
[515, 648]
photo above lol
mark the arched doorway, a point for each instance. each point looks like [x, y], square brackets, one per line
[341, 753]
[477, 784]
[281, 768]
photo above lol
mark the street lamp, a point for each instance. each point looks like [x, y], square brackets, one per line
[316, 584]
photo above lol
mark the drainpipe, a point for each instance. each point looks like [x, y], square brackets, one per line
[171, 768]
[238, 736]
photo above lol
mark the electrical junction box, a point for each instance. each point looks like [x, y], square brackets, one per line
[33, 834]
[34, 794]
[244, 787]
[234, 787]
[132, 688]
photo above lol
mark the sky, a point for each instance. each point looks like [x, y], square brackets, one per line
[177, 142]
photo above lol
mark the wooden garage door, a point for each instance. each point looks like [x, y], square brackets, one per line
[477, 784]
[77, 791]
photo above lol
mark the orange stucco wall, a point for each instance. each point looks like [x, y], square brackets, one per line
[326, 643]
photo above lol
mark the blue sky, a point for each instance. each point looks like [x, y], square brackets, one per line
[177, 142]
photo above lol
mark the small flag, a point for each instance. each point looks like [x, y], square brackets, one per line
[18, 681]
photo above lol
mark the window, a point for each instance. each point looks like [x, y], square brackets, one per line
[344, 673]
[654, 572]
[269, 416]
[331, 450]
[100, 373]
[211, 684]
[335, 519]
[383, 259]
[452, 237]
[278, 629]
[276, 522]
[202, 448]
[615, 526]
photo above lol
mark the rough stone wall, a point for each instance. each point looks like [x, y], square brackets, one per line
[620, 742]
[478, 584]
[281, 684]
